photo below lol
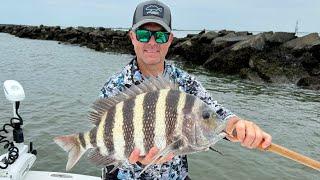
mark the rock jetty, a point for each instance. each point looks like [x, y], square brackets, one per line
[271, 57]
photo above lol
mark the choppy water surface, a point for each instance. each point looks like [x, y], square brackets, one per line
[61, 82]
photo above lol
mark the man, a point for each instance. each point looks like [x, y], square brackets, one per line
[151, 37]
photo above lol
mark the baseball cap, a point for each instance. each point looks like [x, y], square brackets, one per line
[152, 11]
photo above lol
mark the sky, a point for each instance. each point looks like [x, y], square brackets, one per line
[238, 15]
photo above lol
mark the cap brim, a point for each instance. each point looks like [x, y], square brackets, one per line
[161, 23]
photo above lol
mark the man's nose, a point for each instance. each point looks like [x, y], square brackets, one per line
[152, 41]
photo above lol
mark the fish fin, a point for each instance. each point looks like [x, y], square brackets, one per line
[102, 105]
[151, 83]
[163, 82]
[95, 117]
[70, 144]
[171, 148]
[98, 159]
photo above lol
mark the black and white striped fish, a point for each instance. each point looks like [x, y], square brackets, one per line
[153, 113]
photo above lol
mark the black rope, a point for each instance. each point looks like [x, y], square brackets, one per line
[13, 152]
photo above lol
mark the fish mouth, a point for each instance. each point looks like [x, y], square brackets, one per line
[218, 134]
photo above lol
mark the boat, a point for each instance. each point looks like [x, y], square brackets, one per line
[17, 163]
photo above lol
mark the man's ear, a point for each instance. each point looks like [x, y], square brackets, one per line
[170, 38]
[132, 36]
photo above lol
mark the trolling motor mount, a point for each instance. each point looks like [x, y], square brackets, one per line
[15, 164]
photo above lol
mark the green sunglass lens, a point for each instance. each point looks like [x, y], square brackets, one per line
[143, 35]
[161, 37]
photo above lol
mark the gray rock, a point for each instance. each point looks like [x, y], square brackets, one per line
[73, 40]
[305, 42]
[247, 73]
[225, 32]
[277, 69]
[315, 71]
[191, 35]
[121, 33]
[255, 42]
[184, 45]
[196, 37]
[281, 37]
[310, 82]
[208, 36]
[243, 33]
[224, 39]
[228, 61]
[96, 33]
[85, 29]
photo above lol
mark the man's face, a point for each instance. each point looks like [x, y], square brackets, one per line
[150, 53]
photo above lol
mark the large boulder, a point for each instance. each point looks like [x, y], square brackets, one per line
[256, 42]
[229, 40]
[310, 82]
[1, 27]
[310, 63]
[191, 35]
[224, 32]
[280, 37]
[85, 29]
[208, 36]
[228, 61]
[193, 51]
[247, 73]
[243, 33]
[277, 67]
[28, 32]
[182, 47]
[305, 42]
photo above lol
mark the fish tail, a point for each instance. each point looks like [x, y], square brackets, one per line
[71, 144]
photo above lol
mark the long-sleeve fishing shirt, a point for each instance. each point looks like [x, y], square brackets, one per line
[177, 168]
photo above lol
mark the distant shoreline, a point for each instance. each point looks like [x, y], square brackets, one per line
[265, 57]
[189, 31]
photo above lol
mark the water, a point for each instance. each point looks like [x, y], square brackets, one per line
[61, 82]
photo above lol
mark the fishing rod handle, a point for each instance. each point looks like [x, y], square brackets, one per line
[282, 151]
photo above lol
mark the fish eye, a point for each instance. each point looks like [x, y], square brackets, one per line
[205, 115]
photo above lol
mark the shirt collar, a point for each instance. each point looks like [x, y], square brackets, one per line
[135, 71]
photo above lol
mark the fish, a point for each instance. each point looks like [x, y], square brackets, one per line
[153, 113]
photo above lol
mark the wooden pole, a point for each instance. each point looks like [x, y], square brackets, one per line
[282, 151]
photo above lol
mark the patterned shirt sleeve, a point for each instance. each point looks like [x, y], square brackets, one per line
[112, 86]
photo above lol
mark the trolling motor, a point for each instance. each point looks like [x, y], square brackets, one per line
[15, 164]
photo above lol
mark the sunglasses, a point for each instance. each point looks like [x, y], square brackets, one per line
[145, 36]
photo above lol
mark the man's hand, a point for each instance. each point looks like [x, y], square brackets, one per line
[135, 156]
[248, 133]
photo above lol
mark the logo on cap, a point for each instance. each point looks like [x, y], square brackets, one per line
[153, 10]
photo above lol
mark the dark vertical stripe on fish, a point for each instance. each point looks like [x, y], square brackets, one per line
[172, 100]
[108, 131]
[187, 124]
[149, 117]
[128, 128]
[190, 99]
[93, 137]
[82, 141]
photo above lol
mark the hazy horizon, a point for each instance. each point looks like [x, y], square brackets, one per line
[249, 15]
